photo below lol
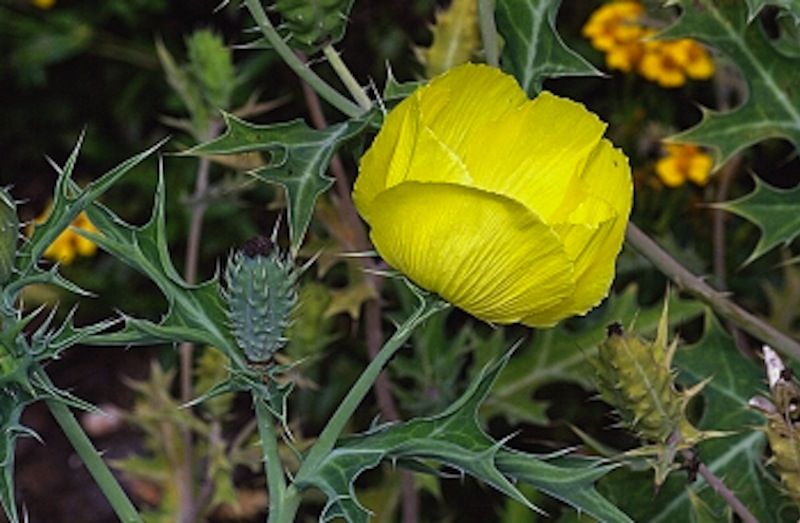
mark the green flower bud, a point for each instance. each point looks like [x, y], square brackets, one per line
[9, 231]
[261, 296]
[313, 23]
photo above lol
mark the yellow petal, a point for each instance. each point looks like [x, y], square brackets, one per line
[391, 152]
[535, 153]
[481, 251]
[593, 233]
[453, 112]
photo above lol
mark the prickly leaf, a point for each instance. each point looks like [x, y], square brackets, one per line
[772, 107]
[533, 48]
[9, 233]
[454, 439]
[299, 158]
[775, 211]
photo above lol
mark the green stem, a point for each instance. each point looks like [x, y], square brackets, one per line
[332, 431]
[698, 288]
[310, 77]
[276, 481]
[347, 78]
[108, 484]
[488, 31]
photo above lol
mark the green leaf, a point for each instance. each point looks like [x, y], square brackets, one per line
[775, 211]
[195, 312]
[738, 459]
[772, 107]
[68, 201]
[569, 479]
[453, 438]
[792, 7]
[12, 402]
[9, 235]
[533, 48]
[299, 157]
[561, 355]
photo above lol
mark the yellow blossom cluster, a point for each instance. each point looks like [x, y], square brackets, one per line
[43, 4]
[69, 244]
[615, 29]
[684, 162]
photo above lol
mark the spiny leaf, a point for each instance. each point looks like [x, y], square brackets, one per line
[533, 48]
[68, 201]
[792, 7]
[775, 211]
[738, 459]
[772, 107]
[452, 438]
[195, 312]
[563, 355]
[570, 479]
[299, 157]
[9, 235]
[12, 403]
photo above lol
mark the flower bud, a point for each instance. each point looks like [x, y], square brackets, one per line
[312, 24]
[9, 231]
[261, 296]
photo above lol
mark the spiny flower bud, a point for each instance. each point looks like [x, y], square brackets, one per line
[312, 24]
[261, 296]
[9, 231]
[635, 377]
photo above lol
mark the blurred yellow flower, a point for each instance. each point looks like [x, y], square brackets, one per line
[511, 209]
[684, 162]
[614, 28]
[43, 4]
[69, 244]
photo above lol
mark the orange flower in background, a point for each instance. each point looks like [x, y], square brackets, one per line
[684, 162]
[69, 244]
[615, 29]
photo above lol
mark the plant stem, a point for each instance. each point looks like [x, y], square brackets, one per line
[302, 70]
[332, 431]
[347, 78]
[488, 31]
[276, 481]
[108, 484]
[717, 300]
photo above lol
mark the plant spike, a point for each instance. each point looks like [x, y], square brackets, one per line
[311, 25]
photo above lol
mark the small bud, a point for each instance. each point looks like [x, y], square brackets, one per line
[635, 376]
[261, 296]
[9, 232]
[313, 24]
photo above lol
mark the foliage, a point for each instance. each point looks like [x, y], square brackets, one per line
[273, 361]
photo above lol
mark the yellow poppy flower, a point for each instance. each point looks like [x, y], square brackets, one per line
[511, 209]
[43, 4]
[69, 244]
[684, 162]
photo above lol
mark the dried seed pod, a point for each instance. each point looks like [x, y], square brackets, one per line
[261, 296]
[782, 429]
